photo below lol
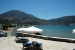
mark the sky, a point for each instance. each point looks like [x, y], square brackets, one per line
[44, 9]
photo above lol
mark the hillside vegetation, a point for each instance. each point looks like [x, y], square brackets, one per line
[19, 17]
[70, 20]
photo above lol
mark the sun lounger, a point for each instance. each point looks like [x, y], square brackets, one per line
[36, 44]
[33, 44]
[28, 44]
[21, 39]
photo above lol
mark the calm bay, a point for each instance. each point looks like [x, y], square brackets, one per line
[55, 31]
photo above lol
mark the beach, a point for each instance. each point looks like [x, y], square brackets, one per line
[8, 43]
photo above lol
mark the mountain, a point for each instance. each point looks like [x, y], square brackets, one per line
[17, 14]
[19, 17]
[65, 20]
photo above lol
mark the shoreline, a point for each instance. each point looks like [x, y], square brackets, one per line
[49, 43]
[69, 40]
[9, 43]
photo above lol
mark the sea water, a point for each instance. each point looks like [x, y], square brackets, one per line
[56, 31]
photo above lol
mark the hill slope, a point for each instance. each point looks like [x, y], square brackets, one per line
[63, 20]
[19, 17]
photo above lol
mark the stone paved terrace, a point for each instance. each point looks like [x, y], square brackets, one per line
[9, 43]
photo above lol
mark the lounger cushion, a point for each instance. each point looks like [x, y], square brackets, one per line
[36, 44]
[28, 44]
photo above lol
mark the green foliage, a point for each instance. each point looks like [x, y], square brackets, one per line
[19, 17]
[63, 20]
[22, 18]
[5, 26]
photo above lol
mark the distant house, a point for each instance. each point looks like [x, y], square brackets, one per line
[13, 25]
